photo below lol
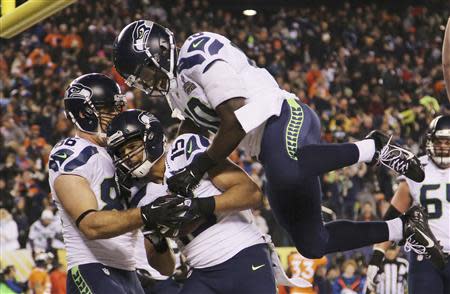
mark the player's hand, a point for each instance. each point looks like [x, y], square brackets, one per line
[166, 210]
[187, 179]
[372, 278]
[373, 271]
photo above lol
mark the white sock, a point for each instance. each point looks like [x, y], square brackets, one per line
[395, 227]
[366, 150]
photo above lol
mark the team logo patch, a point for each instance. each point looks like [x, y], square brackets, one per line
[146, 118]
[140, 35]
[78, 91]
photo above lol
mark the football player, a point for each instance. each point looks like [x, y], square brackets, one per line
[222, 244]
[99, 234]
[215, 86]
[434, 195]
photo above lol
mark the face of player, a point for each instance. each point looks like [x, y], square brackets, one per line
[133, 152]
[152, 81]
[442, 147]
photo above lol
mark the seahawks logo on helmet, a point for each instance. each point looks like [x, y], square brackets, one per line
[146, 118]
[140, 35]
[78, 91]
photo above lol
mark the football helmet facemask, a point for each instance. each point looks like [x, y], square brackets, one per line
[136, 142]
[438, 141]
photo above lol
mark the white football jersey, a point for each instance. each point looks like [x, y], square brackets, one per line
[220, 237]
[204, 83]
[77, 156]
[434, 195]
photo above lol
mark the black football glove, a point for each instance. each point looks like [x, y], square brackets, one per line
[199, 207]
[187, 179]
[165, 210]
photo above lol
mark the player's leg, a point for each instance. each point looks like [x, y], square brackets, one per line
[423, 277]
[299, 212]
[92, 278]
[198, 282]
[251, 271]
[167, 286]
[446, 275]
[295, 134]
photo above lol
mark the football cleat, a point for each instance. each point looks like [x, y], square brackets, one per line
[419, 238]
[396, 158]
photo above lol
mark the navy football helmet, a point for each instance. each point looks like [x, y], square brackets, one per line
[438, 141]
[91, 97]
[145, 55]
[135, 141]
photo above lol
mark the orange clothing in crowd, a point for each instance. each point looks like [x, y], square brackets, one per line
[302, 267]
[39, 281]
[52, 39]
[38, 57]
[72, 41]
[58, 279]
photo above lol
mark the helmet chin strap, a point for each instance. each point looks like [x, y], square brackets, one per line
[144, 168]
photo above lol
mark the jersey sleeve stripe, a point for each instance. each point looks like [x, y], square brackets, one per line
[215, 47]
[190, 62]
[81, 159]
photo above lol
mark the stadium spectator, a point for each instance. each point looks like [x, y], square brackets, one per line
[301, 267]
[8, 232]
[58, 278]
[9, 284]
[45, 233]
[348, 282]
[39, 279]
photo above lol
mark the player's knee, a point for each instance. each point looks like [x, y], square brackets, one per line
[311, 252]
[310, 245]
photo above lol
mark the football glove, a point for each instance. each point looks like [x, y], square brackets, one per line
[373, 270]
[166, 210]
[187, 179]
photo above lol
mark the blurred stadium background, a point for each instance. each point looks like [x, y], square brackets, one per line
[360, 64]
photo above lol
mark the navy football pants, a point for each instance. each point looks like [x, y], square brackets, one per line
[293, 158]
[98, 278]
[424, 278]
[249, 271]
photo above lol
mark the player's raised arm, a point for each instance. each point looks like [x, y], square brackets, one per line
[446, 58]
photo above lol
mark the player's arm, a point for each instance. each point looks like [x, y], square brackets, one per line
[240, 192]
[188, 126]
[446, 58]
[399, 204]
[159, 255]
[80, 203]
[225, 90]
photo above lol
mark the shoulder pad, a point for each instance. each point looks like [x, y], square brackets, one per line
[70, 154]
[199, 50]
[183, 150]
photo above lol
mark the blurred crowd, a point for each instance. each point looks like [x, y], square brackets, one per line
[360, 66]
